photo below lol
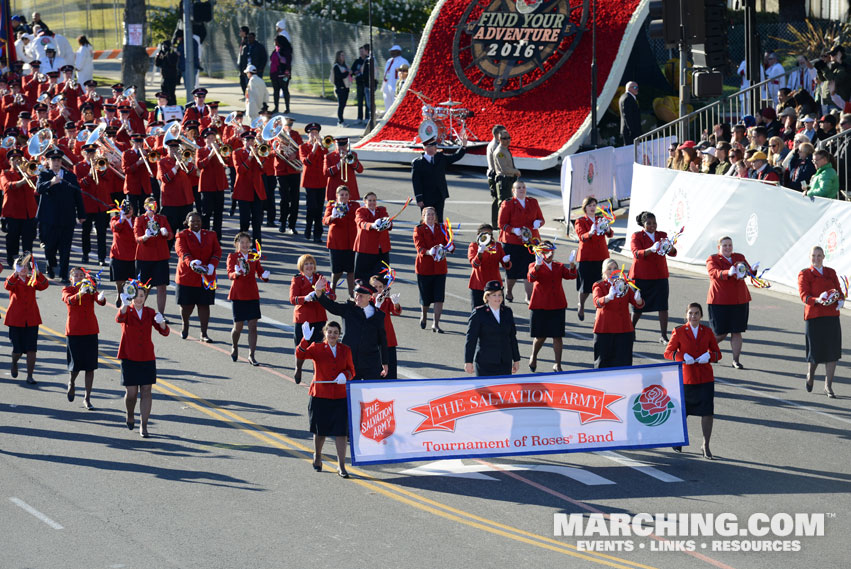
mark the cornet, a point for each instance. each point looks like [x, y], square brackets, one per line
[328, 141]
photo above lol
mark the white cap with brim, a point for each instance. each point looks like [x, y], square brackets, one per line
[809, 119]
[250, 69]
[395, 48]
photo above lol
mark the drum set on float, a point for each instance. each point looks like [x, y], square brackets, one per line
[446, 121]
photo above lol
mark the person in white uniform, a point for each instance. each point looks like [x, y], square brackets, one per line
[391, 74]
[256, 94]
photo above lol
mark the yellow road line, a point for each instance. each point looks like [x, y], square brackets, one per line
[366, 480]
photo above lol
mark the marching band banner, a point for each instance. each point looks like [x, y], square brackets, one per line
[578, 411]
[770, 224]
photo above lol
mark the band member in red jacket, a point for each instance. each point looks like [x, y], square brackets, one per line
[341, 169]
[328, 410]
[175, 186]
[650, 270]
[243, 269]
[213, 182]
[372, 242]
[289, 179]
[122, 254]
[592, 232]
[614, 335]
[153, 232]
[312, 155]
[548, 302]
[248, 190]
[307, 309]
[198, 253]
[519, 221]
[389, 305]
[96, 187]
[819, 288]
[728, 297]
[485, 255]
[694, 344]
[432, 246]
[22, 316]
[136, 352]
[342, 231]
[19, 207]
[137, 176]
[81, 330]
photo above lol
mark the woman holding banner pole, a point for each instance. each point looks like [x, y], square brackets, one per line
[694, 344]
[492, 336]
[650, 270]
[728, 297]
[593, 250]
[613, 331]
[327, 408]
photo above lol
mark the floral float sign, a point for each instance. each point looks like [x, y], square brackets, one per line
[582, 411]
[525, 64]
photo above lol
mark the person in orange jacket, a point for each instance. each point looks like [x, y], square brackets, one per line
[22, 316]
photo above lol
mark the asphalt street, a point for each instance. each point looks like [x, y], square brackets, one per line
[225, 480]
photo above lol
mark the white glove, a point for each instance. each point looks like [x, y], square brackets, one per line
[210, 269]
[149, 233]
[194, 264]
[506, 259]
[537, 223]
[572, 257]
[237, 269]
[163, 231]
[704, 358]
[482, 249]
[125, 300]
[101, 297]
[265, 275]
[310, 297]
[655, 247]
[611, 295]
[306, 331]
[822, 297]
[840, 303]
[539, 259]
[19, 268]
[517, 231]
[732, 271]
[395, 298]
[374, 225]
[432, 251]
[638, 297]
[755, 267]
[159, 319]
[340, 379]
[688, 360]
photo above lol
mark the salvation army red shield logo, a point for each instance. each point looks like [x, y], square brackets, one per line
[377, 421]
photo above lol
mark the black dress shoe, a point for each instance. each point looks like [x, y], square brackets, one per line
[184, 333]
[15, 370]
[707, 454]
[436, 329]
[317, 466]
[88, 404]
[51, 273]
[130, 425]
[297, 377]
[252, 361]
[342, 473]
[808, 385]
[71, 390]
[677, 449]
[206, 339]
[422, 323]
[31, 381]
[234, 354]
[143, 430]
[85, 259]
[282, 229]
[533, 366]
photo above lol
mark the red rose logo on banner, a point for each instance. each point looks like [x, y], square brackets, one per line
[377, 421]
[523, 64]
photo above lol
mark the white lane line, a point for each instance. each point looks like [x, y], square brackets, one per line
[29, 509]
[642, 467]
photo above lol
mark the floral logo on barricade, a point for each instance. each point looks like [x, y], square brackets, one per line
[653, 406]
[679, 212]
[832, 239]
[377, 420]
[590, 170]
[506, 47]
[752, 229]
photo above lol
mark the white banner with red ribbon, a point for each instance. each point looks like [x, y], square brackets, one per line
[407, 420]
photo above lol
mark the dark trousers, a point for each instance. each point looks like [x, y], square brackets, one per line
[290, 192]
[438, 209]
[392, 363]
[360, 94]
[269, 183]
[100, 222]
[279, 85]
[477, 298]
[503, 193]
[168, 86]
[138, 202]
[342, 99]
[57, 238]
[20, 234]
[243, 81]
[251, 214]
[155, 191]
[368, 264]
[485, 370]
[313, 218]
[213, 206]
[175, 215]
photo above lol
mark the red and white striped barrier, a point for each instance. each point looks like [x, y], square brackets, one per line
[116, 53]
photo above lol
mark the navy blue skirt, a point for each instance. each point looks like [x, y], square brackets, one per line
[138, 373]
[729, 318]
[654, 292]
[82, 352]
[24, 339]
[588, 273]
[328, 417]
[245, 310]
[156, 271]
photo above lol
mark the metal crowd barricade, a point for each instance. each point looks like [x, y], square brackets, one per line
[838, 145]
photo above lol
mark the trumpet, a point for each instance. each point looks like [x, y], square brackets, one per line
[94, 97]
[328, 141]
[19, 99]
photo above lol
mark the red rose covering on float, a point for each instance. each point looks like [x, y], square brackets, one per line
[525, 65]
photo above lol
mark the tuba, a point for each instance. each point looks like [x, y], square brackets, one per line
[274, 130]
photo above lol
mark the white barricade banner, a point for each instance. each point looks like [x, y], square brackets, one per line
[587, 174]
[407, 420]
[770, 224]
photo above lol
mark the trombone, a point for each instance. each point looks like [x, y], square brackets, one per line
[260, 150]
[25, 176]
[185, 159]
[221, 151]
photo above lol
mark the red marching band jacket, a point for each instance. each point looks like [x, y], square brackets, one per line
[326, 367]
[23, 308]
[547, 291]
[311, 311]
[188, 249]
[342, 231]
[653, 266]
[485, 265]
[123, 239]
[724, 289]
[368, 240]
[683, 342]
[136, 344]
[156, 247]
[512, 215]
[313, 174]
[244, 285]
[96, 196]
[137, 180]
[18, 203]
[81, 312]
[175, 187]
[592, 247]
[333, 167]
[213, 176]
[811, 284]
[425, 239]
[613, 316]
[248, 185]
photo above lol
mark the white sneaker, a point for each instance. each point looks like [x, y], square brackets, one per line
[341, 125]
